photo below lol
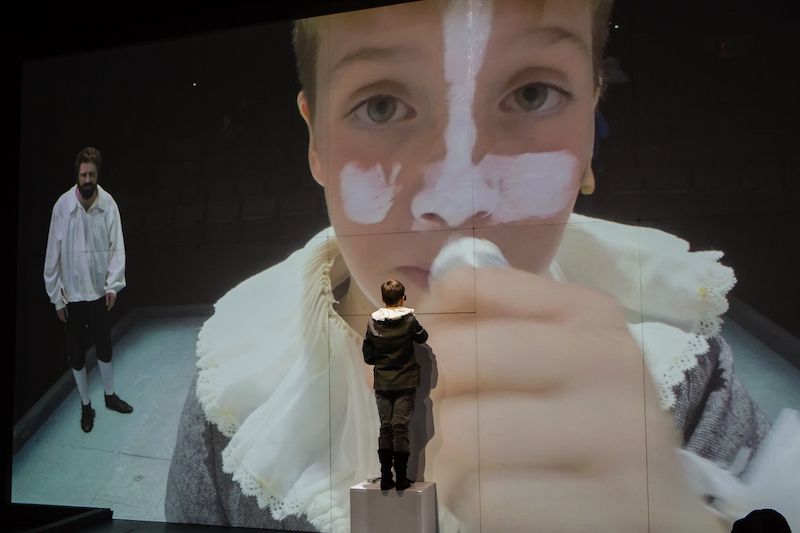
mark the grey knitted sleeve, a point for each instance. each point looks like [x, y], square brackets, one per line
[718, 419]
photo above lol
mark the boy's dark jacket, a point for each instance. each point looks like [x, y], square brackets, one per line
[389, 345]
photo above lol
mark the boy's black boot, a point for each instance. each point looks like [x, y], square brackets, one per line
[385, 457]
[400, 469]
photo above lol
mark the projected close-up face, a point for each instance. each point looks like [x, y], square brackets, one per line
[434, 117]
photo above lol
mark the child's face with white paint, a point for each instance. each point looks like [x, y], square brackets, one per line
[436, 119]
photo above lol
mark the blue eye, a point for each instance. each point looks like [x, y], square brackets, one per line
[535, 97]
[382, 109]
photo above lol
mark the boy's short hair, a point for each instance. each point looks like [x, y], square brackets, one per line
[305, 40]
[88, 155]
[392, 292]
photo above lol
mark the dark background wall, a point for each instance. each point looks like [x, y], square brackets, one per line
[213, 184]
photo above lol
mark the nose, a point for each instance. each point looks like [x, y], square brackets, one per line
[451, 195]
[443, 202]
[454, 189]
[436, 220]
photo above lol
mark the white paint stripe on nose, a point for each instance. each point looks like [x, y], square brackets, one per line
[448, 186]
[466, 28]
[505, 188]
[368, 194]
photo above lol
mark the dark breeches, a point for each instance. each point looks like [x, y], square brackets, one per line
[87, 325]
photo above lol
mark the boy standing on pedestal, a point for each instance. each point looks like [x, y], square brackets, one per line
[388, 345]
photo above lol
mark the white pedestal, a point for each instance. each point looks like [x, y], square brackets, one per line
[389, 511]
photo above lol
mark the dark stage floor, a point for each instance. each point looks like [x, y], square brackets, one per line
[51, 518]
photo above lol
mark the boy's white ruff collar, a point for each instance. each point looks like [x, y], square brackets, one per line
[674, 298]
[391, 313]
[285, 382]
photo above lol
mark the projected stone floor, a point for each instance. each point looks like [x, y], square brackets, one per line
[123, 463]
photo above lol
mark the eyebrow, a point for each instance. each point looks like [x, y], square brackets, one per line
[375, 53]
[546, 36]
[550, 35]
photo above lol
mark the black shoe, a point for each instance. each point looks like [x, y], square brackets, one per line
[87, 418]
[115, 403]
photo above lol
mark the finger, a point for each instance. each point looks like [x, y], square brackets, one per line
[453, 352]
[512, 499]
[561, 432]
[562, 450]
[521, 355]
[535, 357]
[571, 431]
[507, 292]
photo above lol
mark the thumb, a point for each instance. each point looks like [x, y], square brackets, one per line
[453, 273]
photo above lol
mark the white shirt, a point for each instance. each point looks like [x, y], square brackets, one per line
[85, 250]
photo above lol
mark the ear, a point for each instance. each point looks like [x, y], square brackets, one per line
[313, 157]
[587, 182]
[598, 90]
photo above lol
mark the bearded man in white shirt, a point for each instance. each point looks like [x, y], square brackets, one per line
[84, 270]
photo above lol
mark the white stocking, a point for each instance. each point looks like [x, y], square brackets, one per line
[83, 384]
[107, 376]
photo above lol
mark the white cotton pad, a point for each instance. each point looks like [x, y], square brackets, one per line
[467, 251]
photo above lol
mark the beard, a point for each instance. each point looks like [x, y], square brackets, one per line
[87, 190]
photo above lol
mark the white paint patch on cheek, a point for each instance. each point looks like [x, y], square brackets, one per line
[535, 185]
[367, 195]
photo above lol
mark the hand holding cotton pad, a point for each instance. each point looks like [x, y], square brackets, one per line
[467, 251]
